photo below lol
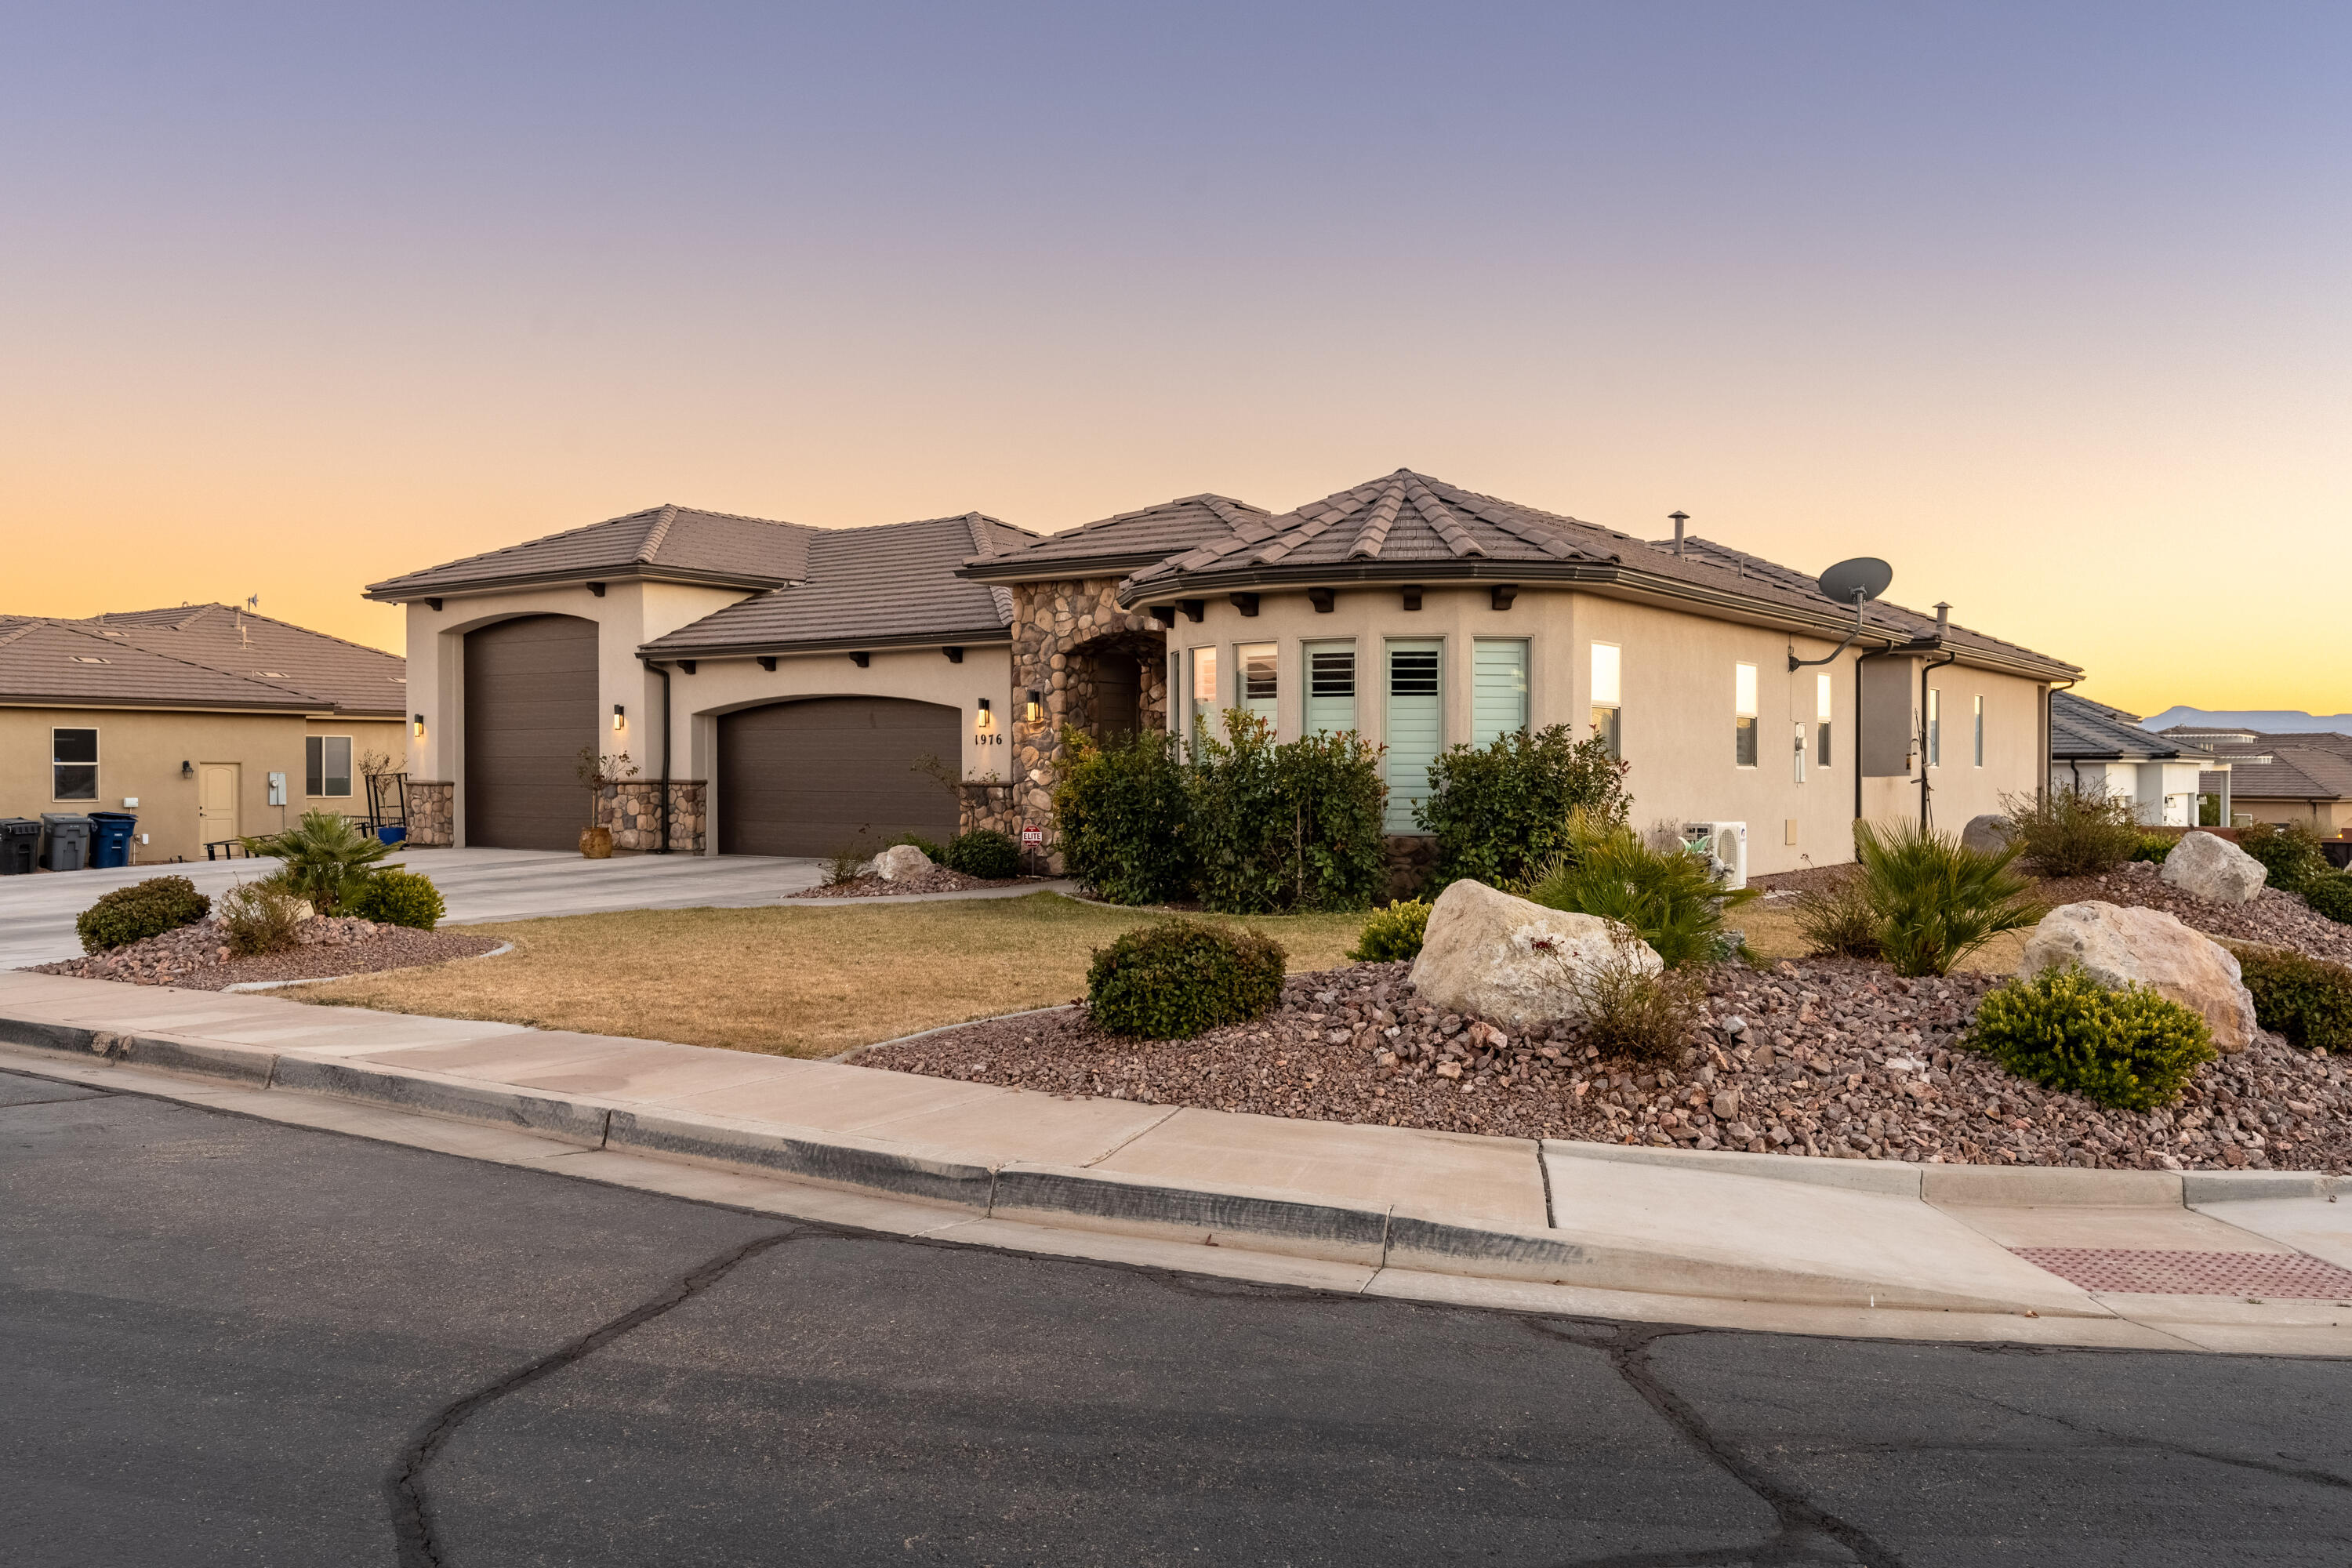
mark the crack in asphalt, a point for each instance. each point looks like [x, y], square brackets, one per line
[411, 1523]
[2289, 1471]
[1808, 1533]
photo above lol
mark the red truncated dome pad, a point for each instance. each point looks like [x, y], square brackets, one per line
[2266, 1274]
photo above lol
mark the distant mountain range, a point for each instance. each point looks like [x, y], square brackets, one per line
[2267, 720]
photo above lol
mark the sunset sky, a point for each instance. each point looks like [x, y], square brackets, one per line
[2049, 305]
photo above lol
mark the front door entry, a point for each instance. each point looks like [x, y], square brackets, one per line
[216, 802]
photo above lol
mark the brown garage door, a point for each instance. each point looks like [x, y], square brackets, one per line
[817, 776]
[530, 705]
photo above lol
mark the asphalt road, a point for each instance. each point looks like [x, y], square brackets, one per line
[227, 1340]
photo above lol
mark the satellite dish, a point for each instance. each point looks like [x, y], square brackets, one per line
[1852, 582]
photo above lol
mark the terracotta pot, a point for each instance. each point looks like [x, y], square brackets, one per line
[597, 843]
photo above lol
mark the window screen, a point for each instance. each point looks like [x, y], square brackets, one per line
[73, 764]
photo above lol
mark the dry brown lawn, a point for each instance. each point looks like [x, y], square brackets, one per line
[1772, 932]
[791, 982]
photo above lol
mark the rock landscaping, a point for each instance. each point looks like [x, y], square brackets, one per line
[196, 957]
[936, 880]
[2117, 946]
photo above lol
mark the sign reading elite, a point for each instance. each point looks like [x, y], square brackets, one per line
[1032, 837]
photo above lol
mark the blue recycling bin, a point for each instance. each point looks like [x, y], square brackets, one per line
[109, 838]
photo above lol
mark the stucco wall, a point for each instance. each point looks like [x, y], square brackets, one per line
[2329, 817]
[1676, 673]
[139, 757]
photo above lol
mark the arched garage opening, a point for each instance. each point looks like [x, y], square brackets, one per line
[530, 705]
[815, 776]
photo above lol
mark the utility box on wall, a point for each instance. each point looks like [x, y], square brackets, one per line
[1890, 719]
[277, 789]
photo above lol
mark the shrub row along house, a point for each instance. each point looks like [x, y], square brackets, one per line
[205, 722]
[786, 689]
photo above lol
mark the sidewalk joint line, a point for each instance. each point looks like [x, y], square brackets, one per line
[1131, 1137]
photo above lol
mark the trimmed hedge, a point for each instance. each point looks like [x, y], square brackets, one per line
[2130, 1049]
[2308, 1000]
[1500, 812]
[1392, 934]
[1284, 827]
[984, 852]
[2330, 894]
[397, 897]
[2289, 852]
[1122, 817]
[1180, 978]
[141, 910]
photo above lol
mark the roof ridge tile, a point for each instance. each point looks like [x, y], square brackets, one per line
[655, 532]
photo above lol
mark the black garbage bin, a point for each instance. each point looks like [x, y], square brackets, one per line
[20, 846]
[65, 841]
[109, 838]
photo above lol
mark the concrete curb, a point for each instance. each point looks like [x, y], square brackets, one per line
[1265, 1219]
[829, 1159]
[450, 1099]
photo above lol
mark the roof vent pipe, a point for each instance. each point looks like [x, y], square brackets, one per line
[1679, 518]
[1943, 619]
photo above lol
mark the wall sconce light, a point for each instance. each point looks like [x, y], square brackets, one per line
[187, 770]
[419, 731]
[1034, 710]
[620, 717]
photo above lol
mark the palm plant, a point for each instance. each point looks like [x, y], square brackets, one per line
[324, 858]
[1667, 896]
[1936, 900]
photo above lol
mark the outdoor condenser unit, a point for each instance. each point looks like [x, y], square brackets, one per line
[1726, 843]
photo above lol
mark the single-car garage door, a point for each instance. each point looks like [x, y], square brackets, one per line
[815, 776]
[530, 705]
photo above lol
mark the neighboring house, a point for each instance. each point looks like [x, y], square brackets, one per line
[2285, 776]
[182, 716]
[2102, 751]
[788, 689]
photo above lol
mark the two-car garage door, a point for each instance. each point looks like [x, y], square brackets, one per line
[820, 775]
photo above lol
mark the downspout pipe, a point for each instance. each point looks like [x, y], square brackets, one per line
[2049, 720]
[1926, 818]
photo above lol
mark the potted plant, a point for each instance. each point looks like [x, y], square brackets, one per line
[596, 773]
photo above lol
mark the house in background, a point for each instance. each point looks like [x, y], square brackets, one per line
[205, 722]
[2285, 776]
[788, 689]
[2101, 751]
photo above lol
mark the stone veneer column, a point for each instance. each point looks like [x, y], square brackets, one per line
[1050, 622]
[432, 811]
[633, 811]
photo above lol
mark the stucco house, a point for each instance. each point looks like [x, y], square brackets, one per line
[2302, 776]
[207, 721]
[787, 689]
[2101, 751]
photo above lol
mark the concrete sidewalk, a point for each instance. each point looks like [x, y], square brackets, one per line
[1845, 1247]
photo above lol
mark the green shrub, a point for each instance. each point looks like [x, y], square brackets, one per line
[1122, 817]
[1500, 812]
[1392, 934]
[2064, 834]
[2330, 894]
[2290, 852]
[325, 857]
[1628, 1009]
[142, 909]
[1179, 978]
[394, 896]
[933, 850]
[2130, 1049]
[1284, 827]
[1936, 900]
[984, 853]
[260, 918]
[1664, 895]
[2154, 847]
[1840, 919]
[2308, 1000]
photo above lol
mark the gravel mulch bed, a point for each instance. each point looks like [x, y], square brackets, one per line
[938, 879]
[196, 957]
[1828, 1059]
[2275, 918]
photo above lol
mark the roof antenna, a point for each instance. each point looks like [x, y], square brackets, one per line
[1679, 518]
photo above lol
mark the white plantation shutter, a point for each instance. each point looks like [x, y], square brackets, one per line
[1498, 687]
[1416, 727]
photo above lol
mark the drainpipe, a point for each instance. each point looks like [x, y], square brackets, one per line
[1926, 820]
[2041, 785]
[663, 671]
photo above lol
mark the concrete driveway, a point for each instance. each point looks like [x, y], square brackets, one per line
[36, 913]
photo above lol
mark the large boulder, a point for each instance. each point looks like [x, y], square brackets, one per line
[2207, 866]
[899, 862]
[2125, 946]
[1512, 961]
[1987, 834]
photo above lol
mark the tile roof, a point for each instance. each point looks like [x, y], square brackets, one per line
[1114, 545]
[672, 542]
[2081, 728]
[347, 676]
[77, 664]
[2289, 765]
[1406, 524]
[868, 587]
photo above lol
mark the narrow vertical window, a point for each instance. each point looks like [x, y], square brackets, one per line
[1823, 694]
[1330, 687]
[1415, 728]
[1743, 708]
[1608, 702]
[1255, 663]
[1935, 727]
[73, 764]
[1203, 695]
[1498, 687]
[1980, 732]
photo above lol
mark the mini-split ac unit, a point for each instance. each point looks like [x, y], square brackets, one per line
[1724, 844]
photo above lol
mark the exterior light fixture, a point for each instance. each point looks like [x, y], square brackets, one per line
[1034, 710]
[187, 770]
[620, 717]
[419, 731]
